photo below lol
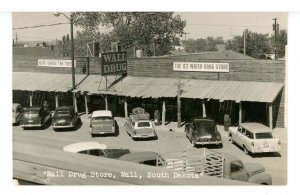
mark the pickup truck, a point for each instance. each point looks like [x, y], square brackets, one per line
[254, 138]
[204, 162]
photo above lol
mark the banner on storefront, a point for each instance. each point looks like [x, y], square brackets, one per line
[114, 63]
[200, 67]
[56, 63]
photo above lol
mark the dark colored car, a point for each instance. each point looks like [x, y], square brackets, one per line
[203, 131]
[35, 116]
[17, 113]
[65, 117]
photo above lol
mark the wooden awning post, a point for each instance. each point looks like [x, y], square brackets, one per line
[163, 119]
[271, 116]
[86, 104]
[203, 109]
[56, 100]
[240, 113]
[30, 99]
[106, 102]
[125, 108]
[75, 102]
[178, 111]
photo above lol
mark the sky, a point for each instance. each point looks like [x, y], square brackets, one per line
[198, 24]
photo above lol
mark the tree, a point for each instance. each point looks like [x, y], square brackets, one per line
[257, 44]
[281, 42]
[200, 45]
[154, 32]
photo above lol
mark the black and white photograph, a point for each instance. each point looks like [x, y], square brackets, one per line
[149, 98]
[103, 98]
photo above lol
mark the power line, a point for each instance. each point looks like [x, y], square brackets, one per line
[228, 25]
[39, 26]
[37, 38]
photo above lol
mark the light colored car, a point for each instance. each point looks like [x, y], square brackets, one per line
[17, 113]
[95, 149]
[102, 122]
[254, 138]
[140, 128]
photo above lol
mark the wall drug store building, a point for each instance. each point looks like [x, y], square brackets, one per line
[252, 90]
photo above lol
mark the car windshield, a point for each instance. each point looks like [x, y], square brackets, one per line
[31, 113]
[265, 135]
[143, 124]
[62, 113]
[101, 118]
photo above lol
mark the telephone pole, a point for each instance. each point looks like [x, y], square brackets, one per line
[275, 28]
[245, 35]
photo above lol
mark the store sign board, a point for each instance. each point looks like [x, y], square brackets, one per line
[113, 63]
[200, 67]
[56, 63]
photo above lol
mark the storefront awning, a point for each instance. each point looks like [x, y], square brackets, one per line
[38, 81]
[147, 87]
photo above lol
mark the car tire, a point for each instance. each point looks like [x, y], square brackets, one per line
[245, 150]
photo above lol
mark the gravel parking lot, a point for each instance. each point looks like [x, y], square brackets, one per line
[168, 141]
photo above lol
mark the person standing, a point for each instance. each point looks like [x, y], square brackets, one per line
[227, 122]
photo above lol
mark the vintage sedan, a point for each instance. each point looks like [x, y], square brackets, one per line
[65, 117]
[102, 122]
[95, 149]
[17, 113]
[35, 116]
[203, 131]
[254, 138]
[138, 127]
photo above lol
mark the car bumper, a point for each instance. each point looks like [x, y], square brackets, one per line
[207, 142]
[31, 125]
[264, 150]
[102, 132]
[62, 126]
[144, 136]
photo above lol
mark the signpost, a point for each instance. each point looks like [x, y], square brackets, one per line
[113, 63]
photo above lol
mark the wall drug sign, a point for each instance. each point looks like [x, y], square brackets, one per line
[200, 67]
[113, 63]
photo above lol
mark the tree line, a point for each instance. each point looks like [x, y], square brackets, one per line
[156, 33]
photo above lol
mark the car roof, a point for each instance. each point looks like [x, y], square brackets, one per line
[15, 105]
[65, 108]
[102, 113]
[255, 127]
[202, 119]
[35, 108]
[139, 156]
[81, 146]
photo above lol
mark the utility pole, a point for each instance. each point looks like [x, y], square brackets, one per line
[245, 35]
[275, 28]
[16, 39]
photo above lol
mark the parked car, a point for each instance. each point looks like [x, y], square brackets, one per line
[254, 138]
[202, 131]
[65, 117]
[235, 169]
[146, 158]
[102, 122]
[35, 116]
[17, 113]
[228, 166]
[138, 127]
[95, 149]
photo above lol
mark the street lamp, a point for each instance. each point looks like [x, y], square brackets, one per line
[57, 14]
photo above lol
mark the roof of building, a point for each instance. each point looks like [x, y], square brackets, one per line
[201, 89]
[256, 127]
[30, 81]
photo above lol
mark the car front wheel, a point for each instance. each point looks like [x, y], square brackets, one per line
[246, 150]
